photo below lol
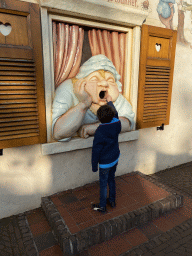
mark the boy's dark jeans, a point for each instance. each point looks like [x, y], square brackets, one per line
[107, 176]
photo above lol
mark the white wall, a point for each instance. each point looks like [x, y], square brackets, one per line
[27, 175]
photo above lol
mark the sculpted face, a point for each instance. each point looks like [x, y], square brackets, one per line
[98, 83]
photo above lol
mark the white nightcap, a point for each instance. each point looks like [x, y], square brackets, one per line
[99, 62]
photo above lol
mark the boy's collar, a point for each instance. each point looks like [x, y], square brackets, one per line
[114, 120]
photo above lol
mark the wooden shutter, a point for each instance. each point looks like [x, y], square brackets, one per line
[155, 76]
[22, 104]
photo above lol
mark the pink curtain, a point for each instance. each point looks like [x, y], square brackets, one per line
[67, 51]
[112, 45]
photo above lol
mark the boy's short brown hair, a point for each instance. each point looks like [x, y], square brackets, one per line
[105, 113]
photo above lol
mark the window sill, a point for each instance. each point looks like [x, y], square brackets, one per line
[78, 143]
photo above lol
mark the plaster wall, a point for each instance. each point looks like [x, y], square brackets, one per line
[27, 175]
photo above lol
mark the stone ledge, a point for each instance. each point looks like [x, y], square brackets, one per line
[72, 244]
[79, 143]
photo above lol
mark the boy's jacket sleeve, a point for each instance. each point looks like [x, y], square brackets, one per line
[98, 143]
[110, 103]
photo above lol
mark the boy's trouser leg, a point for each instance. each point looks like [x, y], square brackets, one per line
[111, 183]
[103, 178]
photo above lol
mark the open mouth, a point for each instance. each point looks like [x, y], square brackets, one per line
[102, 94]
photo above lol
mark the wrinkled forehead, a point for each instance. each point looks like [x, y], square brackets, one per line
[100, 74]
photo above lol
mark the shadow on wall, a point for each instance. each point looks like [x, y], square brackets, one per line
[25, 177]
[159, 150]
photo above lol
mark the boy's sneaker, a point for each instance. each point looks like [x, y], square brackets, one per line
[112, 204]
[96, 207]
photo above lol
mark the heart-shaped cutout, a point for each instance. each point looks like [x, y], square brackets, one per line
[5, 29]
[158, 47]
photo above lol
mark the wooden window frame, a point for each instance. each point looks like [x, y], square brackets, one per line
[49, 82]
[91, 11]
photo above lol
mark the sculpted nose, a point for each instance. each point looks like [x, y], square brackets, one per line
[103, 83]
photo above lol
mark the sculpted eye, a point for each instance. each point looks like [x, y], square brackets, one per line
[94, 79]
[111, 80]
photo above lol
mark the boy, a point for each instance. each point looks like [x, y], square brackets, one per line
[106, 152]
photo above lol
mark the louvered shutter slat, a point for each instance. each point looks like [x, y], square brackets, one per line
[155, 77]
[17, 96]
[15, 110]
[18, 136]
[13, 133]
[23, 83]
[17, 92]
[18, 128]
[17, 78]
[20, 119]
[18, 87]
[9, 115]
[4, 73]
[17, 101]
[11, 124]
[157, 83]
[13, 107]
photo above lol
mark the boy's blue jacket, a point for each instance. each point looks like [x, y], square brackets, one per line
[105, 144]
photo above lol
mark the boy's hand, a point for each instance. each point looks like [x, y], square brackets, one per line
[108, 97]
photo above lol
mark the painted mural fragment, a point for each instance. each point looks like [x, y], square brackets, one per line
[166, 10]
[184, 30]
[177, 14]
[133, 3]
[145, 5]
[141, 4]
[82, 88]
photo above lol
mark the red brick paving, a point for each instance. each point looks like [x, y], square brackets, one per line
[40, 228]
[133, 192]
[100, 250]
[53, 251]
[167, 222]
[85, 217]
[118, 244]
[135, 237]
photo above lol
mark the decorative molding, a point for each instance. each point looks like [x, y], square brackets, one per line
[96, 10]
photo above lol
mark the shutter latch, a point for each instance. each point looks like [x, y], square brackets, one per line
[160, 128]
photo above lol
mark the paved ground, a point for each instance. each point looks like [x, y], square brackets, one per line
[180, 177]
[16, 238]
[30, 233]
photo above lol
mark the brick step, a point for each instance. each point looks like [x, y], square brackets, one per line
[16, 237]
[73, 242]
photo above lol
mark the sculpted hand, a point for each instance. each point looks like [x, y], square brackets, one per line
[94, 108]
[81, 94]
[87, 130]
